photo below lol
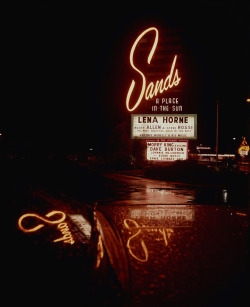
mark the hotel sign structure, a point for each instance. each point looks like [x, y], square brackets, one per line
[144, 92]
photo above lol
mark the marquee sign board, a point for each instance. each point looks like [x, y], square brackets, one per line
[167, 151]
[164, 126]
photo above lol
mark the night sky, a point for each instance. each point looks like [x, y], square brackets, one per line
[67, 69]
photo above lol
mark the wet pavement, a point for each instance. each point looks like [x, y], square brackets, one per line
[183, 255]
[122, 240]
[135, 189]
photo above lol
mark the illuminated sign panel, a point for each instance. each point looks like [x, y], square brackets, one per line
[243, 151]
[149, 90]
[164, 126]
[167, 151]
[244, 148]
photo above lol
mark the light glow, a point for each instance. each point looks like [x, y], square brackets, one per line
[63, 227]
[30, 215]
[67, 237]
[132, 237]
[241, 214]
[132, 243]
[244, 148]
[100, 249]
[153, 88]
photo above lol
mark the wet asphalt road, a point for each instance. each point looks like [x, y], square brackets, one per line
[149, 243]
[182, 255]
[133, 188]
[181, 252]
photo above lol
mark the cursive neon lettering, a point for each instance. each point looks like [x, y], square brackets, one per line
[136, 69]
[63, 227]
[30, 215]
[163, 232]
[132, 242]
[132, 237]
[67, 237]
[152, 89]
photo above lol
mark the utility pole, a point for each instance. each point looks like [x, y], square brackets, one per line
[217, 131]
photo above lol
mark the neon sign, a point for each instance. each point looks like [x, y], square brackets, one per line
[152, 89]
[244, 148]
[61, 225]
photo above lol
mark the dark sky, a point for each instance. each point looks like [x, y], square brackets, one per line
[68, 72]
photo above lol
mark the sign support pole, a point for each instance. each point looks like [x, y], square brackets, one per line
[217, 131]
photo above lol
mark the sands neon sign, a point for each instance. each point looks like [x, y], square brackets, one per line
[152, 89]
[61, 225]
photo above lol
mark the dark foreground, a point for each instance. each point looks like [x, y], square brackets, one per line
[117, 240]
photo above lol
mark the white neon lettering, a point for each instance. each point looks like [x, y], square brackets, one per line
[136, 69]
[152, 89]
